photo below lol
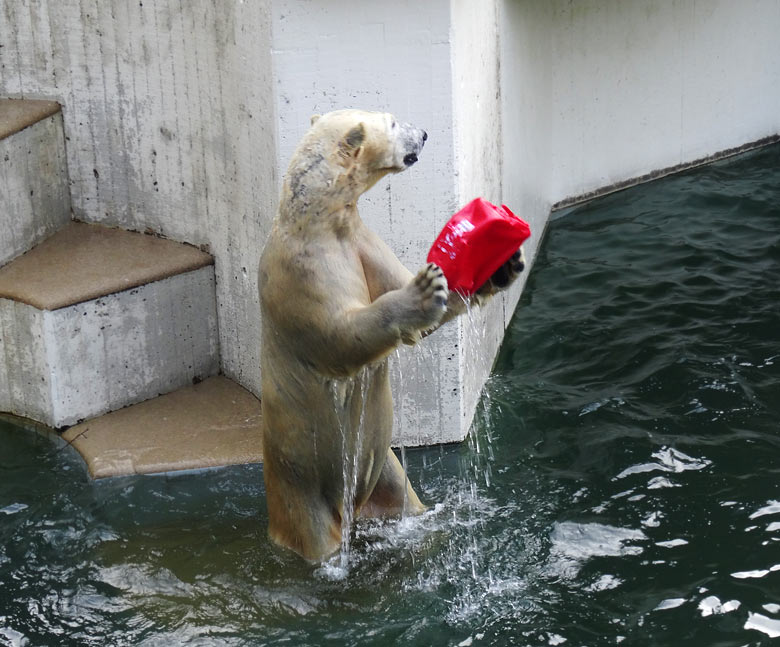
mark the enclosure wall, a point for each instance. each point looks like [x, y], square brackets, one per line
[169, 128]
[180, 119]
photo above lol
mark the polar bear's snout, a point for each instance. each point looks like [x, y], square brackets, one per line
[412, 140]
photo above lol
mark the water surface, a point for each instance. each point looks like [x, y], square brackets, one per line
[621, 486]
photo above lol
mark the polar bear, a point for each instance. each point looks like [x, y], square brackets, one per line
[335, 303]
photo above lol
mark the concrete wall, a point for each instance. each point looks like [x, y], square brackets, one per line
[641, 86]
[392, 57]
[604, 91]
[23, 344]
[80, 361]
[34, 198]
[169, 125]
[180, 117]
[479, 169]
[527, 112]
[436, 65]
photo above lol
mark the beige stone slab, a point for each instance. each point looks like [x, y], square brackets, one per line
[18, 114]
[211, 424]
[82, 262]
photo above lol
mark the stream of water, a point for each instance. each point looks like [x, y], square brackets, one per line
[621, 485]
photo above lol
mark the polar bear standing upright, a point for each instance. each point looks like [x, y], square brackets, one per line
[335, 303]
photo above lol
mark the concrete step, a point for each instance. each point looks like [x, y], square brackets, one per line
[210, 424]
[34, 194]
[94, 319]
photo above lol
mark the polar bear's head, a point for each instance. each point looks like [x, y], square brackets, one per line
[385, 143]
[346, 152]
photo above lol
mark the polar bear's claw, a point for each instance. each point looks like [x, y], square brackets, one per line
[517, 262]
[428, 293]
[432, 285]
[505, 275]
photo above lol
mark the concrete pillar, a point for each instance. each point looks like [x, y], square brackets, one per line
[434, 64]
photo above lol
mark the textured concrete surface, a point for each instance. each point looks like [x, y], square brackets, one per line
[82, 262]
[170, 125]
[210, 424]
[62, 366]
[18, 114]
[34, 197]
[25, 376]
[173, 111]
[605, 91]
[396, 59]
[479, 137]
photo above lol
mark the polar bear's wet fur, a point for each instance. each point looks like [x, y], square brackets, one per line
[335, 303]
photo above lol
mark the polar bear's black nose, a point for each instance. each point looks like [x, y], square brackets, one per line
[410, 159]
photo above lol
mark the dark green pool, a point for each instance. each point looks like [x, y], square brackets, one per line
[627, 486]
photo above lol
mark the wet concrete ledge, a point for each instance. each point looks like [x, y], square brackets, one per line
[87, 261]
[211, 424]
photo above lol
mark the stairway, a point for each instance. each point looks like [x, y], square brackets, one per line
[95, 320]
[34, 197]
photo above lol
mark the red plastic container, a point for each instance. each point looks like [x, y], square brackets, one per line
[475, 242]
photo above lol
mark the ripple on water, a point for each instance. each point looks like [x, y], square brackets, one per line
[575, 543]
[668, 460]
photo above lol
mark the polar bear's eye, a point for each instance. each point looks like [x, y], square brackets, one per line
[394, 124]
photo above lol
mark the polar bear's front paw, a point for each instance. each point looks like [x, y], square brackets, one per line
[432, 288]
[505, 275]
[427, 293]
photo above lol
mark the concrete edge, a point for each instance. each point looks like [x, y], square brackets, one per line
[81, 292]
[669, 170]
[214, 423]
[18, 114]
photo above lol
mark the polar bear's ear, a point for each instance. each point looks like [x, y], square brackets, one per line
[355, 137]
[350, 144]
[314, 119]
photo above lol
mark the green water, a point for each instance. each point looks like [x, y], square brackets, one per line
[622, 485]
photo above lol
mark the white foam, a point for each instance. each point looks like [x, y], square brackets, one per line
[742, 575]
[772, 507]
[668, 460]
[605, 583]
[653, 520]
[660, 482]
[670, 603]
[574, 543]
[585, 540]
[332, 570]
[769, 626]
[672, 543]
[711, 605]
[15, 638]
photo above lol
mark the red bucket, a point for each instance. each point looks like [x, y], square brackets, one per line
[475, 242]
